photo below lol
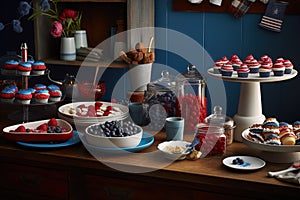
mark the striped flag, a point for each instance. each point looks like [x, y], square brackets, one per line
[273, 17]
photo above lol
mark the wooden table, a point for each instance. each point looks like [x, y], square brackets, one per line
[73, 173]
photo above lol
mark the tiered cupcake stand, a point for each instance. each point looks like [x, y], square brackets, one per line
[250, 105]
[24, 115]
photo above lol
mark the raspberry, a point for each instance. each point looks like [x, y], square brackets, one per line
[52, 122]
[21, 129]
[108, 108]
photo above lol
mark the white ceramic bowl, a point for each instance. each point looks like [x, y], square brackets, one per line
[167, 149]
[113, 142]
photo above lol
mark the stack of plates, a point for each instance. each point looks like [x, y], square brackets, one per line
[63, 113]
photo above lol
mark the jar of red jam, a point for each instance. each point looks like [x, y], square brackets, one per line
[212, 140]
[191, 100]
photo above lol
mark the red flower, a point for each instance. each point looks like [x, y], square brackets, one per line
[68, 13]
[56, 29]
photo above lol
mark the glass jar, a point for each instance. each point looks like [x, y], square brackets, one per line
[212, 140]
[191, 100]
[217, 118]
[159, 101]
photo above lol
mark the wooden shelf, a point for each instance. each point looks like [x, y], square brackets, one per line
[86, 64]
[293, 6]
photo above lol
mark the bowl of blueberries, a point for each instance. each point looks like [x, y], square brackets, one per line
[114, 134]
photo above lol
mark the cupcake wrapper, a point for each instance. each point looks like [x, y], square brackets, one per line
[226, 73]
[253, 70]
[288, 71]
[264, 74]
[278, 73]
[242, 75]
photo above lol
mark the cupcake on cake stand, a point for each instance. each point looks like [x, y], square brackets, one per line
[250, 106]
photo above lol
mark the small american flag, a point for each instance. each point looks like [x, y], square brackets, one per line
[273, 17]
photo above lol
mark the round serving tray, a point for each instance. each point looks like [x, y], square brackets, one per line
[252, 77]
[269, 147]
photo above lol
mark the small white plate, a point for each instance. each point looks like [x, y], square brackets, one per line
[250, 163]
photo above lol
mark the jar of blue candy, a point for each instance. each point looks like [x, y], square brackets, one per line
[159, 101]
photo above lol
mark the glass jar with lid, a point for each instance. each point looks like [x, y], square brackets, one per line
[217, 118]
[191, 100]
[159, 100]
[212, 140]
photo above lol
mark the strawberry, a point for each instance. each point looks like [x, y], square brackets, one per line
[108, 108]
[81, 106]
[21, 129]
[42, 127]
[52, 122]
[98, 104]
[106, 113]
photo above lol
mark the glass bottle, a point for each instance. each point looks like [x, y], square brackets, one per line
[191, 100]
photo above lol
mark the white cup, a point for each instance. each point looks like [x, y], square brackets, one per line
[80, 39]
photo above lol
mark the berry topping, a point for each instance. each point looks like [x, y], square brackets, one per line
[52, 122]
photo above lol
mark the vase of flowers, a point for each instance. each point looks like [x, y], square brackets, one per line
[64, 25]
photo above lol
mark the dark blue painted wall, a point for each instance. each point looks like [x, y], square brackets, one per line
[221, 34]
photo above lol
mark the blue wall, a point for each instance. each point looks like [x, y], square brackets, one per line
[221, 34]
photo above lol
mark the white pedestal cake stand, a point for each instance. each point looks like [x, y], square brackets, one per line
[250, 107]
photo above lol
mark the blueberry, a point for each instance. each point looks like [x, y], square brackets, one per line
[57, 129]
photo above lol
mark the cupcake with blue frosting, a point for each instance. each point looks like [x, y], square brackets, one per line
[23, 96]
[41, 96]
[7, 95]
[24, 68]
[10, 67]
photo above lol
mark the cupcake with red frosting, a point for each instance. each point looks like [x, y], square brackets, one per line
[253, 65]
[23, 96]
[236, 62]
[55, 95]
[38, 68]
[24, 68]
[218, 64]
[7, 95]
[10, 67]
[40, 86]
[265, 71]
[41, 96]
[288, 66]
[227, 69]
[243, 71]
[278, 68]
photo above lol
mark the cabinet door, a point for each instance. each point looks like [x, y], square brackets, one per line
[21, 180]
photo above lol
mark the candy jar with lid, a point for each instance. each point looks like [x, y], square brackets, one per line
[212, 140]
[159, 101]
[191, 100]
[217, 118]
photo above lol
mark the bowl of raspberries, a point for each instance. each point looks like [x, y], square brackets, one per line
[50, 130]
[114, 134]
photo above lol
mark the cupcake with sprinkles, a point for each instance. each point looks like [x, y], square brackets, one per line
[41, 96]
[24, 68]
[227, 69]
[38, 68]
[10, 67]
[243, 71]
[23, 96]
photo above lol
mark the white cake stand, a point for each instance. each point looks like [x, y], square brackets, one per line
[250, 107]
